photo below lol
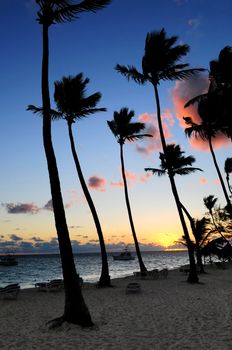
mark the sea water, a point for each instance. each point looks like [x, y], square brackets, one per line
[43, 268]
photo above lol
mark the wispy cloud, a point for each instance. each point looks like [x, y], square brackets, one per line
[97, 183]
[21, 208]
[132, 178]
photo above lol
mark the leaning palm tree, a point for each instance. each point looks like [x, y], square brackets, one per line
[228, 171]
[179, 165]
[160, 62]
[52, 12]
[124, 130]
[73, 104]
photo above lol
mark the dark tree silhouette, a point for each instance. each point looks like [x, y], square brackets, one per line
[125, 130]
[179, 165]
[73, 104]
[228, 171]
[160, 62]
[52, 12]
[207, 130]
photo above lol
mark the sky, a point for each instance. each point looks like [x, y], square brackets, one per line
[94, 44]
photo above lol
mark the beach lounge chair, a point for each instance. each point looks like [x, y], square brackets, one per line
[55, 285]
[10, 292]
[133, 287]
[41, 286]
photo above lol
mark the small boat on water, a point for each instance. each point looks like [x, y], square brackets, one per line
[8, 260]
[124, 255]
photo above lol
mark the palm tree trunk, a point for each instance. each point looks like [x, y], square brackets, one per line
[219, 175]
[141, 263]
[75, 310]
[105, 277]
[197, 245]
[192, 277]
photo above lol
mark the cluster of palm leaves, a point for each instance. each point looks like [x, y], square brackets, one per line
[160, 62]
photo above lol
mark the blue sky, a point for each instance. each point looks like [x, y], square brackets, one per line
[94, 44]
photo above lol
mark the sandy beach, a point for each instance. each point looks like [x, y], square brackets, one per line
[167, 314]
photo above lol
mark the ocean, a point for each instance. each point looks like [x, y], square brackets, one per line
[43, 268]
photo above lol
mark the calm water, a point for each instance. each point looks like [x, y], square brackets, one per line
[39, 268]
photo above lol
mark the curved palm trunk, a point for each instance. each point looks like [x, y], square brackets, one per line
[75, 309]
[105, 277]
[198, 248]
[141, 263]
[192, 277]
[220, 175]
[228, 182]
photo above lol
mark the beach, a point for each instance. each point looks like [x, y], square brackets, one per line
[167, 314]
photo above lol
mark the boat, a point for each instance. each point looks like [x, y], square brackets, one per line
[124, 255]
[8, 260]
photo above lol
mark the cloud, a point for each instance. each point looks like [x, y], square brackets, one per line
[21, 208]
[132, 178]
[183, 92]
[37, 239]
[97, 183]
[203, 180]
[15, 238]
[150, 145]
[194, 23]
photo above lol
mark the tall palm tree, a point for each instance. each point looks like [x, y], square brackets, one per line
[228, 171]
[179, 165]
[125, 130]
[52, 12]
[160, 62]
[73, 104]
[207, 130]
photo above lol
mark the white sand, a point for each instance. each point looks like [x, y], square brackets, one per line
[167, 314]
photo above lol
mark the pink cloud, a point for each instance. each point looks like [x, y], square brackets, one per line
[203, 180]
[97, 183]
[132, 178]
[183, 92]
[150, 145]
[116, 183]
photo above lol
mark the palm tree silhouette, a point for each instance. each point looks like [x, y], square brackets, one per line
[73, 104]
[179, 165]
[52, 12]
[160, 62]
[228, 171]
[125, 130]
[207, 130]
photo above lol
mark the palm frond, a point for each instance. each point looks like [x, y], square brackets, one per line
[186, 170]
[35, 110]
[179, 75]
[69, 11]
[133, 138]
[130, 72]
[156, 171]
[195, 99]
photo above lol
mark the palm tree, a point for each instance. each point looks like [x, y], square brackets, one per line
[228, 171]
[73, 104]
[52, 12]
[160, 62]
[210, 203]
[125, 130]
[179, 165]
[207, 130]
